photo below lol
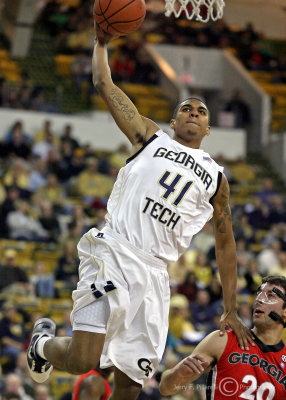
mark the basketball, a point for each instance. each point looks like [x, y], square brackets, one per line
[119, 17]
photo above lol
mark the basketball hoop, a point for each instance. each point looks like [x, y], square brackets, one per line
[199, 10]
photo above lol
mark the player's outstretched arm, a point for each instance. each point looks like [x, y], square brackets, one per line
[190, 368]
[137, 128]
[227, 264]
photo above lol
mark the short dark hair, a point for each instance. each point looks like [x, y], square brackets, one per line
[189, 98]
[11, 396]
[278, 280]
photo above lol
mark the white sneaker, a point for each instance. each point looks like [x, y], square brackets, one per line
[39, 368]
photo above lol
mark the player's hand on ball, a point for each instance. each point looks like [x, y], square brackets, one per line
[101, 36]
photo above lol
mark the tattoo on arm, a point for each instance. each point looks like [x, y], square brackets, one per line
[224, 209]
[119, 103]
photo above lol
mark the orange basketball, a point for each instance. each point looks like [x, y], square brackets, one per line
[119, 17]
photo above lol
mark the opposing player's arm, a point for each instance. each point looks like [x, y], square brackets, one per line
[136, 127]
[227, 263]
[204, 356]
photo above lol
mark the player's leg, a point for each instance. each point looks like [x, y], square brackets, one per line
[76, 355]
[124, 387]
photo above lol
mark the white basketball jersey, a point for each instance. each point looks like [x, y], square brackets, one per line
[161, 198]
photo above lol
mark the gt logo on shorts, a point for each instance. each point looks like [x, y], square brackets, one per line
[144, 364]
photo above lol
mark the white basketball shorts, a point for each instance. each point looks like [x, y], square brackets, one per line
[123, 292]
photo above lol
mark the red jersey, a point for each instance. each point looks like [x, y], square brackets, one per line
[108, 390]
[255, 374]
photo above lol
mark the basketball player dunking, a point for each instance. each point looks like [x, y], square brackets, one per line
[164, 195]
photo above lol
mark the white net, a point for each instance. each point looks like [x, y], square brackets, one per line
[199, 10]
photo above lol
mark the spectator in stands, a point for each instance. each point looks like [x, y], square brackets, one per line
[67, 269]
[258, 214]
[178, 270]
[145, 70]
[189, 287]
[41, 134]
[242, 172]
[123, 67]
[280, 269]
[42, 392]
[80, 218]
[42, 148]
[49, 221]
[10, 273]
[22, 371]
[202, 270]
[43, 282]
[244, 255]
[11, 335]
[100, 218]
[78, 163]
[269, 257]
[10, 396]
[214, 289]
[22, 226]
[81, 39]
[243, 230]
[18, 127]
[18, 175]
[17, 145]
[81, 71]
[54, 192]
[38, 174]
[119, 156]
[14, 384]
[204, 240]
[25, 98]
[180, 326]
[73, 235]
[6, 207]
[91, 184]
[40, 102]
[267, 192]
[252, 277]
[202, 311]
[277, 210]
[67, 136]
[238, 106]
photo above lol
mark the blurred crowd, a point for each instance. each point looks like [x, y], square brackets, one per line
[70, 26]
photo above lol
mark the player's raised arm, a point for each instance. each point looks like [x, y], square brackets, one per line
[124, 112]
[227, 263]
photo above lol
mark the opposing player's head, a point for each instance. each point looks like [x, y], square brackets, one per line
[270, 301]
[190, 122]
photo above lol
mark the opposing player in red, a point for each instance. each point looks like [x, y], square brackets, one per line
[93, 385]
[164, 195]
[258, 373]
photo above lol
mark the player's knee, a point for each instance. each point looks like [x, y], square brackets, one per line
[79, 364]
